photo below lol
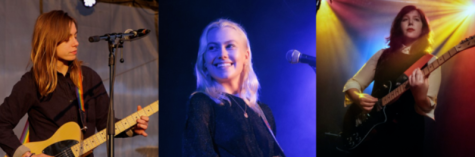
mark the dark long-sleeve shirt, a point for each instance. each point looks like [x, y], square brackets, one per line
[47, 114]
[212, 129]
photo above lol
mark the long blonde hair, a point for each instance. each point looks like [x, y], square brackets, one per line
[206, 84]
[50, 30]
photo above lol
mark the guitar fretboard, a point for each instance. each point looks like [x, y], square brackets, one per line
[97, 139]
[426, 71]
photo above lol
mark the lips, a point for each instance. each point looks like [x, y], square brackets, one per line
[410, 29]
[74, 52]
[220, 65]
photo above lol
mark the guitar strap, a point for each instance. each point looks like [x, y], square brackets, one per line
[263, 116]
[418, 64]
[80, 98]
[25, 135]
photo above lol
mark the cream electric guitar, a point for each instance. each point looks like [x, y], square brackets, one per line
[67, 140]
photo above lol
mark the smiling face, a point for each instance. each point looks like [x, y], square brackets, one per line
[226, 54]
[411, 25]
[67, 50]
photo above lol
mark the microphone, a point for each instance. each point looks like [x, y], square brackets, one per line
[294, 56]
[137, 33]
[128, 35]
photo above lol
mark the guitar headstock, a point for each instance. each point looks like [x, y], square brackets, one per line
[465, 44]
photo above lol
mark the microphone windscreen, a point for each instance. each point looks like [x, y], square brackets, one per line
[94, 39]
[130, 31]
[293, 56]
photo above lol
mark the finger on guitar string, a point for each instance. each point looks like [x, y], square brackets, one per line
[420, 77]
[145, 118]
[411, 79]
[366, 102]
[141, 126]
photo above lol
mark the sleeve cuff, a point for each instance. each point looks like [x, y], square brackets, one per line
[433, 104]
[20, 151]
[429, 114]
[352, 83]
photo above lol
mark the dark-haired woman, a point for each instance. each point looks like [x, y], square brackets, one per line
[402, 135]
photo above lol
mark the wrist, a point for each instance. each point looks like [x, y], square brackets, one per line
[27, 154]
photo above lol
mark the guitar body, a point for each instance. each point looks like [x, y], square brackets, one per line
[66, 136]
[358, 128]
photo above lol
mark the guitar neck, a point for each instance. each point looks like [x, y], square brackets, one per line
[426, 71]
[97, 139]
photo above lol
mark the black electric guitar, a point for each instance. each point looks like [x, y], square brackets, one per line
[358, 126]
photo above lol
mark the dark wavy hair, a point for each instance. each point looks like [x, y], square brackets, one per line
[396, 38]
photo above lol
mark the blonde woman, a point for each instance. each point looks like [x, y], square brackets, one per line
[47, 93]
[224, 117]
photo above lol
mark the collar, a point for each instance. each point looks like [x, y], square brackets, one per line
[406, 49]
[67, 73]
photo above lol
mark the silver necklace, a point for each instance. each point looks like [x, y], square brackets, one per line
[245, 106]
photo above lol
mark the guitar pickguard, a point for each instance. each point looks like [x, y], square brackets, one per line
[61, 147]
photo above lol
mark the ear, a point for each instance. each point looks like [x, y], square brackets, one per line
[248, 54]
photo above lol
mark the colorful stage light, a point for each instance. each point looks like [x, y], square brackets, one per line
[470, 10]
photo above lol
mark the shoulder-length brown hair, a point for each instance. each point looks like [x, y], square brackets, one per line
[51, 29]
[396, 39]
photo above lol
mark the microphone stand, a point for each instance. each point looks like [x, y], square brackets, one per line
[110, 38]
[111, 118]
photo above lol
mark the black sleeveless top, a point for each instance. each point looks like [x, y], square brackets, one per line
[403, 134]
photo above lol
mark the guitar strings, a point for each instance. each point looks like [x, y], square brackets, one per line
[65, 151]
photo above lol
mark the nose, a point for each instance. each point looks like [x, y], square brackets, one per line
[411, 22]
[75, 42]
[223, 53]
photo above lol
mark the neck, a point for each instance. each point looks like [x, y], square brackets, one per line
[408, 41]
[232, 87]
[62, 67]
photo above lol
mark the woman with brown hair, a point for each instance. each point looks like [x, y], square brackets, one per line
[403, 134]
[51, 91]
